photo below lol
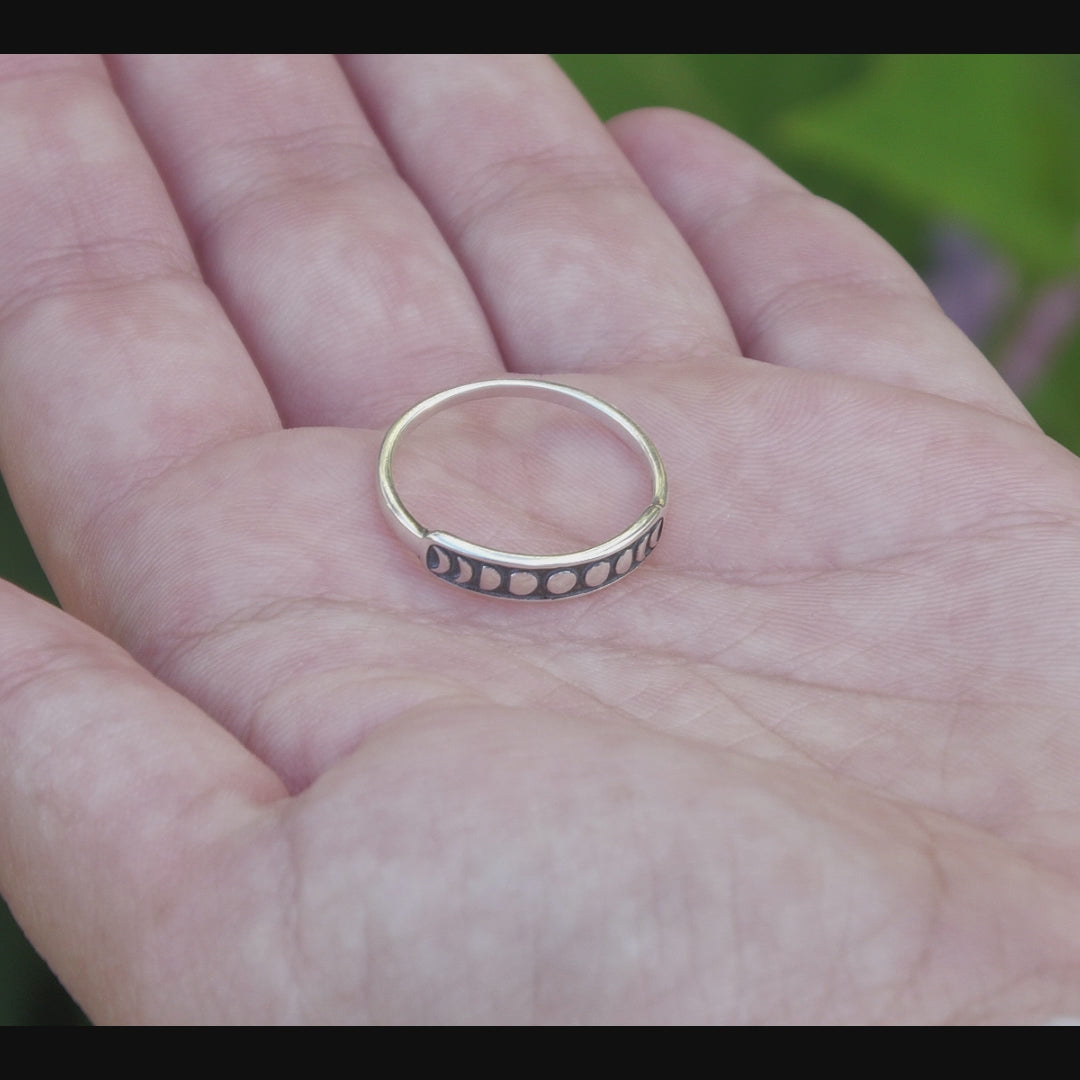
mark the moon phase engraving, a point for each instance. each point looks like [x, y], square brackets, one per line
[598, 573]
[523, 582]
[560, 582]
[490, 578]
[539, 583]
[438, 562]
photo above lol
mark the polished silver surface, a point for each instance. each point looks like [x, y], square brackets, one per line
[491, 572]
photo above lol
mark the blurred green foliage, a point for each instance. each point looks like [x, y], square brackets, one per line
[990, 140]
[905, 142]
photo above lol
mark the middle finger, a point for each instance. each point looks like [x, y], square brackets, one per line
[330, 268]
[573, 260]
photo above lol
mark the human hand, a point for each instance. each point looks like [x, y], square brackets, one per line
[816, 762]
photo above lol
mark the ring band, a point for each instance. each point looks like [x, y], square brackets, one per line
[491, 572]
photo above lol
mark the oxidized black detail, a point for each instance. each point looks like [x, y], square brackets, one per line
[524, 583]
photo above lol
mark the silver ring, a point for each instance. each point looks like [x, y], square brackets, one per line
[491, 572]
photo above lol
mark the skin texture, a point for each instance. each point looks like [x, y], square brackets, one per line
[816, 762]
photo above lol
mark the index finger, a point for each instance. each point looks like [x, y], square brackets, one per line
[116, 360]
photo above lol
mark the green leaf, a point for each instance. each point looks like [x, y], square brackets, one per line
[990, 140]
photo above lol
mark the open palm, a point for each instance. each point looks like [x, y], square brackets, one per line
[817, 761]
